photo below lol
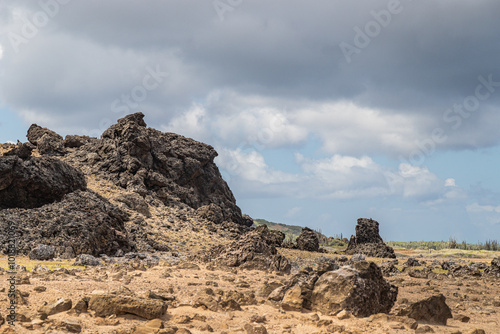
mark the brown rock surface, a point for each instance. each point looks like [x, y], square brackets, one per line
[433, 310]
[360, 289]
[108, 304]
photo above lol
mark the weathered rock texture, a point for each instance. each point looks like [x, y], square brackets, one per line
[36, 181]
[47, 141]
[81, 223]
[308, 240]
[173, 168]
[253, 250]
[359, 289]
[111, 304]
[136, 168]
[368, 241]
[432, 310]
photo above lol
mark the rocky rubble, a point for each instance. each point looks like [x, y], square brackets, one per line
[368, 241]
[81, 223]
[253, 250]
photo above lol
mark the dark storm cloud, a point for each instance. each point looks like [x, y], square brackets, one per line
[423, 58]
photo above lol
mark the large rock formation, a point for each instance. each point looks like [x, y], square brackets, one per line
[253, 250]
[45, 195]
[81, 223]
[368, 241]
[33, 182]
[170, 167]
[308, 240]
[359, 289]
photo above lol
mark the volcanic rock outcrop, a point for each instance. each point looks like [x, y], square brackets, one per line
[133, 169]
[308, 240]
[170, 167]
[253, 250]
[35, 181]
[81, 223]
[368, 241]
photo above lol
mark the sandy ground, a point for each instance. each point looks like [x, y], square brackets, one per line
[477, 298]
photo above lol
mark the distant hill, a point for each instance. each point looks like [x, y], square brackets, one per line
[291, 231]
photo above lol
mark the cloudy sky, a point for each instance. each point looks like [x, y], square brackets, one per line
[322, 112]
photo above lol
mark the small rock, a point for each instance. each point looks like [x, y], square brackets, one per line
[462, 318]
[260, 319]
[424, 329]
[342, 315]
[57, 306]
[42, 253]
[358, 257]
[477, 331]
[72, 326]
[86, 260]
[40, 288]
[250, 329]
[181, 319]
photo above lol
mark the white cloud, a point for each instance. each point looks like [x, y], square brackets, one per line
[449, 182]
[193, 123]
[1, 52]
[477, 208]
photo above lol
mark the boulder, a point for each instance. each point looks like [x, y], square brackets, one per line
[431, 310]
[105, 305]
[22, 150]
[42, 253]
[368, 241]
[308, 240]
[359, 289]
[36, 181]
[253, 250]
[56, 306]
[86, 260]
[47, 141]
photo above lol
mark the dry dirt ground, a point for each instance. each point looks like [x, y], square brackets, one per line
[476, 298]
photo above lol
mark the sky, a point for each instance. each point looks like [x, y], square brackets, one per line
[322, 112]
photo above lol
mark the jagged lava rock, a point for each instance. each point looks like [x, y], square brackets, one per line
[36, 181]
[368, 241]
[359, 289]
[253, 250]
[42, 253]
[432, 310]
[81, 223]
[308, 240]
[47, 141]
[169, 166]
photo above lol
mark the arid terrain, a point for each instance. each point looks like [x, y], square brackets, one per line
[180, 281]
[137, 232]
